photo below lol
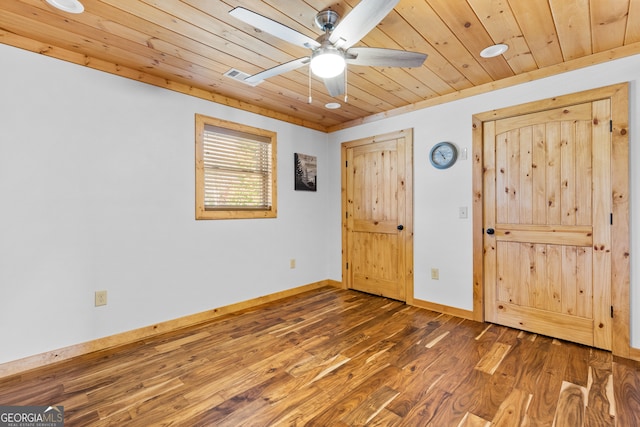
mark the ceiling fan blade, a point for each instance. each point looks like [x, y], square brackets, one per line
[379, 57]
[278, 69]
[362, 19]
[335, 85]
[274, 28]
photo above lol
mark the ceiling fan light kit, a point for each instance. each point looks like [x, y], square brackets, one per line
[331, 52]
[327, 62]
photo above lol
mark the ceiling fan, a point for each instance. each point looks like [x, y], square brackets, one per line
[332, 51]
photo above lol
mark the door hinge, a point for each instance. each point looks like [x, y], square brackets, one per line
[346, 163]
[611, 218]
[347, 266]
[612, 312]
[346, 215]
[610, 125]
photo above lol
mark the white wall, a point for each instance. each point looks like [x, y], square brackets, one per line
[443, 240]
[97, 192]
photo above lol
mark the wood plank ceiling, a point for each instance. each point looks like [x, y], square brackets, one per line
[188, 45]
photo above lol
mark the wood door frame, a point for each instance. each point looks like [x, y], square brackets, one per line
[407, 235]
[620, 239]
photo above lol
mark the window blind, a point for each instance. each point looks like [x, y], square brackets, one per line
[237, 170]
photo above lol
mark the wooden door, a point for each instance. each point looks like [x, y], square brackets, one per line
[377, 215]
[547, 207]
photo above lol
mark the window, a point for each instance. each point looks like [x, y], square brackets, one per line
[235, 170]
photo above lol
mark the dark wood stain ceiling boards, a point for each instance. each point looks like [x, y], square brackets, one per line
[188, 45]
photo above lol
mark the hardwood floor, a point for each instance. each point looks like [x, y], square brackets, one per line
[331, 357]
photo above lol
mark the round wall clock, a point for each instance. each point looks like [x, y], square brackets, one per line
[443, 155]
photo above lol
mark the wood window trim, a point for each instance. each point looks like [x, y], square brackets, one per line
[204, 214]
[620, 260]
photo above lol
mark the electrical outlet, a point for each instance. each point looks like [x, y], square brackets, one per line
[292, 263]
[435, 274]
[100, 298]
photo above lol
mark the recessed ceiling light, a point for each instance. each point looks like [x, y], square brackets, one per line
[71, 6]
[332, 106]
[493, 51]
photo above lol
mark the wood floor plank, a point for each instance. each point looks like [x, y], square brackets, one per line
[600, 410]
[457, 365]
[542, 408]
[626, 387]
[373, 404]
[513, 409]
[423, 412]
[578, 367]
[571, 406]
[482, 394]
[490, 361]
[385, 418]
[471, 420]
[355, 398]
[415, 382]
[333, 357]
[340, 382]
[524, 364]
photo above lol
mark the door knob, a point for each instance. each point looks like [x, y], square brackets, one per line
[401, 227]
[490, 231]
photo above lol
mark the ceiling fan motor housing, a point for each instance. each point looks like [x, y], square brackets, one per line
[327, 20]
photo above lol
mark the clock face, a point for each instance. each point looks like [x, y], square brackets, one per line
[443, 155]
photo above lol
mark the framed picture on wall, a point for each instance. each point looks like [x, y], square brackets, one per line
[305, 172]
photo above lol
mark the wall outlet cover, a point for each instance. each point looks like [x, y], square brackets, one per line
[100, 298]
